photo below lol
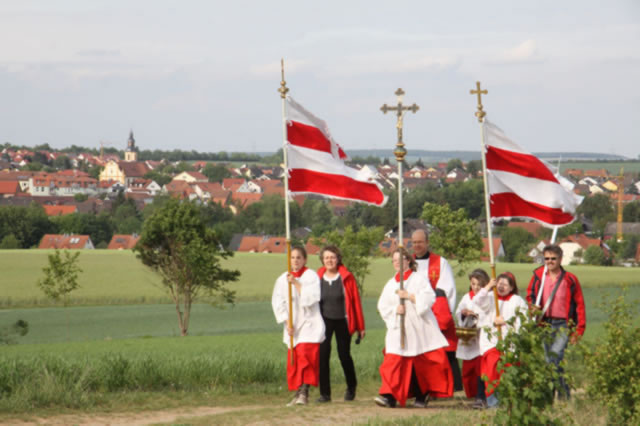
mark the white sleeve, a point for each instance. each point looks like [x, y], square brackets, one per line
[310, 289]
[483, 300]
[447, 283]
[425, 296]
[279, 300]
[387, 304]
[462, 305]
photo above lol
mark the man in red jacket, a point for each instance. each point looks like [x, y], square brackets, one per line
[442, 281]
[562, 307]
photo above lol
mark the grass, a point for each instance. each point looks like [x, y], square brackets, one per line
[613, 167]
[90, 323]
[117, 277]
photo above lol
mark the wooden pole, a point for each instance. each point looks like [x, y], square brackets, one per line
[480, 113]
[283, 95]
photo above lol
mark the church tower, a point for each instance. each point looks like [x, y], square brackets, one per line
[131, 153]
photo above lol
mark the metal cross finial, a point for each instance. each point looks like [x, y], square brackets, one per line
[480, 113]
[283, 89]
[400, 109]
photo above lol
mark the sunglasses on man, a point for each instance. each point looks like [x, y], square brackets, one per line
[550, 258]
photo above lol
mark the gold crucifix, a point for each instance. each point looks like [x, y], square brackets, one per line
[480, 113]
[400, 109]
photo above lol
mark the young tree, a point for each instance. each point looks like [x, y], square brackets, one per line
[357, 247]
[216, 172]
[177, 244]
[60, 276]
[455, 236]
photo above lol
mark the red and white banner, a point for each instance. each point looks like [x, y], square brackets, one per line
[316, 162]
[521, 185]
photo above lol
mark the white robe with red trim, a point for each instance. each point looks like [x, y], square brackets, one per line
[508, 308]
[308, 324]
[421, 327]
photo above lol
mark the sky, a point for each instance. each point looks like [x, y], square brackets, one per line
[203, 75]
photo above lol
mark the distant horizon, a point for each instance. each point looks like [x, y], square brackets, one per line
[465, 155]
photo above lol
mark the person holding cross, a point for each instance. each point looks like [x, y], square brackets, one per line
[562, 307]
[440, 276]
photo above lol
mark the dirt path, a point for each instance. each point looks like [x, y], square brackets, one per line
[335, 413]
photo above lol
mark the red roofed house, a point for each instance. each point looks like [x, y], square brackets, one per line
[638, 253]
[574, 243]
[531, 227]
[192, 177]
[245, 199]
[57, 241]
[498, 249]
[60, 210]
[123, 242]
[232, 184]
[180, 189]
[9, 188]
[262, 244]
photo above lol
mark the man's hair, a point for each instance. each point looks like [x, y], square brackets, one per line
[553, 249]
[333, 249]
[480, 275]
[424, 231]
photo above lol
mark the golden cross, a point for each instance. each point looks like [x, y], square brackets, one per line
[400, 109]
[480, 113]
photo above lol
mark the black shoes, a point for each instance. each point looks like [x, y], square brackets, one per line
[323, 399]
[350, 395]
[385, 401]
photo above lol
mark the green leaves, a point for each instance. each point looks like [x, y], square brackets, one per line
[357, 247]
[455, 236]
[60, 275]
[177, 244]
[613, 363]
[527, 384]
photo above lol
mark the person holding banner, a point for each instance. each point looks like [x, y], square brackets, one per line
[419, 367]
[307, 328]
[342, 314]
[509, 304]
[562, 308]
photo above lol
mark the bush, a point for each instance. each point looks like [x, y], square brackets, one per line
[527, 384]
[613, 364]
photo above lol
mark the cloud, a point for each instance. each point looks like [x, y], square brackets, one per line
[98, 53]
[525, 52]
[272, 68]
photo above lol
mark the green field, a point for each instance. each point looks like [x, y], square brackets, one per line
[613, 167]
[117, 277]
[118, 346]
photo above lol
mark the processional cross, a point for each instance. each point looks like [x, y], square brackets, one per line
[480, 112]
[400, 152]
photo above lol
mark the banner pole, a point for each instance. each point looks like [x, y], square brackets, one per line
[480, 113]
[283, 95]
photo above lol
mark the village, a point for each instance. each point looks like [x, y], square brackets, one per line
[84, 183]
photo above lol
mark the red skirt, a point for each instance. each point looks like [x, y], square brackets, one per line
[432, 370]
[306, 365]
[470, 374]
[489, 368]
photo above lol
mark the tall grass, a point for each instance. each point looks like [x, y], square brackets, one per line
[75, 377]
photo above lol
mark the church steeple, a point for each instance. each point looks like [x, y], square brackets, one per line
[131, 153]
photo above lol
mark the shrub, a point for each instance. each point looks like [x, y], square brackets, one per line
[613, 364]
[527, 383]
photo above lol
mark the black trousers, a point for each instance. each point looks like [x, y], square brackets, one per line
[343, 339]
[455, 370]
